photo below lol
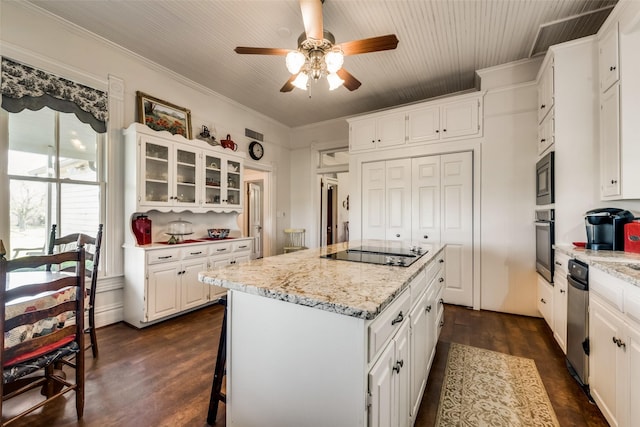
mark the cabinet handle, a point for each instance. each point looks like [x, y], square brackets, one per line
[441, 261]
[165, 257]
[429, 308]
[441, 301]
[543, 140]
[558, 263]
[562, 291]
[619, 343]
[542, 301]
[221, 250]
[398, 319]
[425, 236]
[195, 253]
[441, 280]
[242, 247]
[399, 364]
[613, 181]
[442, 323]
[543, 106]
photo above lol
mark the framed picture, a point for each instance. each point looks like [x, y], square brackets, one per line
[162, 115]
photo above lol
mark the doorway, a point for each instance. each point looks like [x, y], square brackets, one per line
[255, 215]
[257, 218]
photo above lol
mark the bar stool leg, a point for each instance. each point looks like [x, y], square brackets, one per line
[219, 370]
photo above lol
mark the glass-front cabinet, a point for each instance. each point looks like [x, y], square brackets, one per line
[180, 175]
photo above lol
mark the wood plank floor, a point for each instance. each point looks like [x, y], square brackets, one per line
[161, 375]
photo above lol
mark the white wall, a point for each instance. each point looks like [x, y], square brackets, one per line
[34, 37]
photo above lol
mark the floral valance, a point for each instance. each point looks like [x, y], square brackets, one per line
[27, 87]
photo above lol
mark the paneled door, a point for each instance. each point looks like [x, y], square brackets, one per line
[457, 226]
[398, 200]
[373, 200]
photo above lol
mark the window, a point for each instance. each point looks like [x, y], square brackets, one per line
[55, 177]
[334, 158]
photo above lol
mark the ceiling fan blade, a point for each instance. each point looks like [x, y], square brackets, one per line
[373, 44]
[288, 86]
[261, 51]
[350, 82]
[312, 18]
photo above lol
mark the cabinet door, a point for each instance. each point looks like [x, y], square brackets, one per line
[194, 293]
[362, 135]
[381, 389]
[420, 332]
[632, 396]
[156, 174]
[545, 300]
[608, 59]
[423, 125]
[373, 201]
[560, 311]
[610, 142]
[546, 133]
[212, 180]
[187, 177]
[605, 358]
[460, 119]
[403, 371]
[398, 199]
[545, 91]
[425, 200]
[232, 184]
[390, 130]
[163, 296]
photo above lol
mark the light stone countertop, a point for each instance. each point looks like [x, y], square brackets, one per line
[617, 263]
[349, 288]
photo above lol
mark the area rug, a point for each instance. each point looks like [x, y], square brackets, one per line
[487, 388]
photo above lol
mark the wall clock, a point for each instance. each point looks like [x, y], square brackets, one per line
[256, 150]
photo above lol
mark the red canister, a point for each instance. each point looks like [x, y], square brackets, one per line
[141, 226]
[632, 236]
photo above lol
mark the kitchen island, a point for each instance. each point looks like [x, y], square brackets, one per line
[316, 342]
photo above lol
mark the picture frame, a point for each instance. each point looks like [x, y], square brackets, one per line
[162, 115]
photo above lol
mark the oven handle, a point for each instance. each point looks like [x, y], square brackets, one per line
[543, 223]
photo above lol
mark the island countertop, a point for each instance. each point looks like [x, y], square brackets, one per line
[350, 288]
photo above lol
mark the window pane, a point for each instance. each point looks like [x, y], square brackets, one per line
[79, 209]
[32, 143]
[28, 213]
[334, 158]
[78, 143]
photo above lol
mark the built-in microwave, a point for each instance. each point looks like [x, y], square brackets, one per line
[544, 180]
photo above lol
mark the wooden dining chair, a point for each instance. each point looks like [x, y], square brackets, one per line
[92, 251]
[42, 318]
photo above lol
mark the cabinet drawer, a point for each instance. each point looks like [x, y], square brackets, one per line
[195, 252]
[610, 288]
[167, 255]
[417, 287]
[243, 245]
[220, 248]
[562, 263]
[385, 326]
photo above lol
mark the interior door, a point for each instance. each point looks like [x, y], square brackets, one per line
[255, 215]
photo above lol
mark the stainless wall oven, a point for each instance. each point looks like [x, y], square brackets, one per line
[544, 243]
[544, 180]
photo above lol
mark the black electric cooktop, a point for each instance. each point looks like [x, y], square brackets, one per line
[402, 257]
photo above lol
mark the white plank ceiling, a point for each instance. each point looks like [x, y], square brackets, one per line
[442, 43]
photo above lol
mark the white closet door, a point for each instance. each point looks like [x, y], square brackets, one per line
[457, 226]
[398, 199]
[373, 200]
[425, 200]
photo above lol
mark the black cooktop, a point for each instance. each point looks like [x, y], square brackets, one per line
[402, 257]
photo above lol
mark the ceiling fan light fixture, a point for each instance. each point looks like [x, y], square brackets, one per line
[294, 61]
[334, 60]
[334, 81]
[301, 81]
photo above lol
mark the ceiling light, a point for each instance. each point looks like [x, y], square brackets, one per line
[334, 60]
[294, 60]
[334, 81]
[301, 81]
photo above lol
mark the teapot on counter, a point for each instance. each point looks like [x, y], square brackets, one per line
[228, 143]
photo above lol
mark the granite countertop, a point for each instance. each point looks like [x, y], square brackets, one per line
[624, 265]
[344, 287]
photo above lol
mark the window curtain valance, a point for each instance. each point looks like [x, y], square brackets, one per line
[27, 87]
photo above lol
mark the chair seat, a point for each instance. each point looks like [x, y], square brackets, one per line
[25, 368]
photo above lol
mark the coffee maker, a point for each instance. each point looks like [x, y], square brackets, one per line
[605, 228]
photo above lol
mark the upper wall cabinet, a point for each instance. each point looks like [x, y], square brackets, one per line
[437, 121]
[619, 66]
[609, 59]
[545, 90]
[166, 173]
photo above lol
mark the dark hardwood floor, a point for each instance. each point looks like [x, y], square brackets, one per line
[161, 375]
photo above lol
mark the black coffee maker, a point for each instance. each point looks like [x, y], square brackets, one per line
[605, 228]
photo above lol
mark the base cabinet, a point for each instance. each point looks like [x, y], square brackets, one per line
[545, 300]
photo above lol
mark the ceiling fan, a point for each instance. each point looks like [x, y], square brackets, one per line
[318, 55]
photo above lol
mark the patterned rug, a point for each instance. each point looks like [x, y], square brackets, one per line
[487, 388]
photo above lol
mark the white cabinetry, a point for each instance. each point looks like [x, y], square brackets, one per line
[560, 300]
[387, 204]
[381, 131]
[429, 122]
[614, 360]
[545, 89]
[619, 111]
[161, 281]
[167, 172]
[545, 300]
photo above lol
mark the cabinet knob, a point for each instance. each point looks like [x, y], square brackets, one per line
[562, 291]
[543, 140]
[441, 261]
[543, 106]
[437, 130]
[399, 364]
[442, 323]
[444, 130]
[397, 235]
[612, 68]
[378, 140]
[398, 319]
[373, 141]
[614, 181]
[428, 308]
[441, 280]
[425, 236]
[441, 301]
[542, 301]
